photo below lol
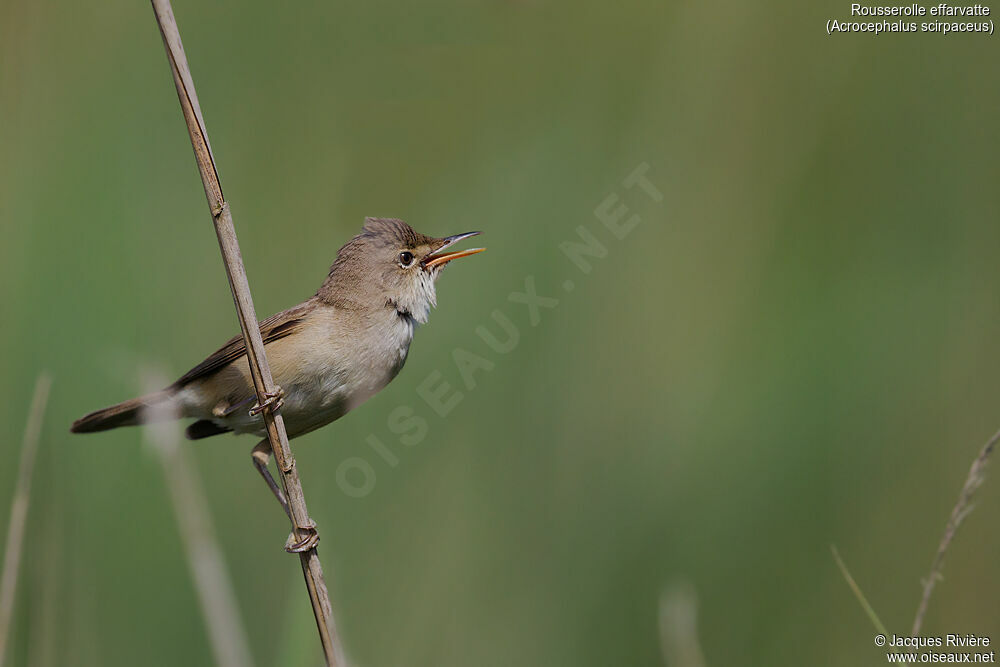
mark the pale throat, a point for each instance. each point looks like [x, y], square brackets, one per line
[415, 301]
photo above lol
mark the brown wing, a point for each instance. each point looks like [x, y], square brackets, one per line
[277, 326]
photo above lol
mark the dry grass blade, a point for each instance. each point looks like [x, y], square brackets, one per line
[208, 567]
[876, 621]
[679, 627]
[958, 514]
[264, 385]
[46, 636]
[19, 508]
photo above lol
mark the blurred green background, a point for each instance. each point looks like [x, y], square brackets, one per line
[795, 348]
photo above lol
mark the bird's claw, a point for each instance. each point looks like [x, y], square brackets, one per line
[273, 399]
[302, 539]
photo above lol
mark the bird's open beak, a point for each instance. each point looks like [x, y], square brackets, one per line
[441, 258]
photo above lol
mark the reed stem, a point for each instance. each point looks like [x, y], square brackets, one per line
[264, 385]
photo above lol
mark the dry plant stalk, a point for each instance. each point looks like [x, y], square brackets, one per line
[208, 568]
[19, 508]
[958, 513]
[46, 637]
[261, 372]
[679, 627]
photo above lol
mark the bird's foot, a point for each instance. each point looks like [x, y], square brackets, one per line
[303, 539]
[273, 400]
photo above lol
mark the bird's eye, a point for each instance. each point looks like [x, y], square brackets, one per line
[405, 258]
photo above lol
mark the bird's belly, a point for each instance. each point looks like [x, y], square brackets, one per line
[322, 387]
[309, 404]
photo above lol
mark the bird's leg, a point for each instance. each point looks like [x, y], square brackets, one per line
[225, 408]
[261, 456]
[272, 399]
[302, 538]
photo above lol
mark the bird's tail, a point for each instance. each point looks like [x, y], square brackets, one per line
[149, 408]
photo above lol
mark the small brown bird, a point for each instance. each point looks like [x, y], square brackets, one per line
[329, 354]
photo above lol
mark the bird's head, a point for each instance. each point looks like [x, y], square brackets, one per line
[391, 265]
